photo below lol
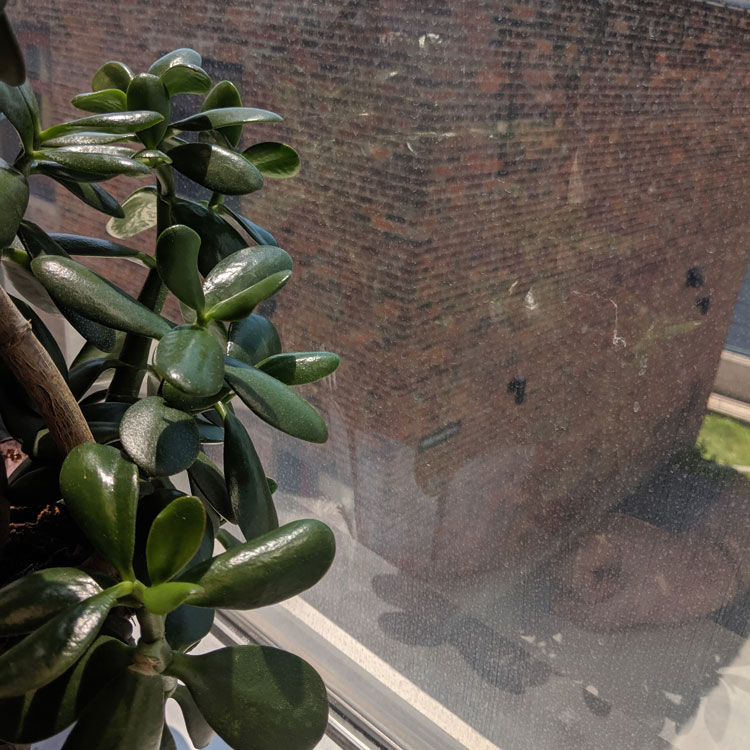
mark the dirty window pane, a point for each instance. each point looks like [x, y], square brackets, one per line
[523, 226]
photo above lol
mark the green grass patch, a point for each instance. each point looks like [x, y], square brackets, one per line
[725, 441]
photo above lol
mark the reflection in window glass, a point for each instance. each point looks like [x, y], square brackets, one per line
[523, 226]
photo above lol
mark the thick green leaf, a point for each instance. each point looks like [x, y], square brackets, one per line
[16, 266]
[208, 482]
[256, 696]
[140, 214]
[181, 56]
[225, 94]
[265, 570]
[12, 68]
[94, 195]
[187, 402]
[191, 359]
[94, 247]
[163, 598]
[186, 626]
[101, 336]
[243, 303]
[112, 75]
[168, 741]
[253, 339]
[212, 119]
[216, 168]
[46, 339]
[199, 731]
[106, 164]
[13, 104]
[37, 241]
[109, 122]
[100, 489]
[246, 482]
[177, 252]
[58, 172]
[147, 91]
[51, 649]
[301, 367]
[162, 441]
[218, 239]
[104, 100]
[276, 403]
[175, 537]
[186, 79]
[82, 376]
[14, 197]
[256, 233]
[42, 713]
[34, 599]
[244, 269]
[129, 714]
[82, 138]
[275, 160]
[152, 157]
[88, 294]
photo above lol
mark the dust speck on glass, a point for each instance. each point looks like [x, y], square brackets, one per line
[523, 226]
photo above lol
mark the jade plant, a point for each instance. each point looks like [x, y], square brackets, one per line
[110, 437]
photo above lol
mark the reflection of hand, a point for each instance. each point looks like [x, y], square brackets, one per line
[632, 573]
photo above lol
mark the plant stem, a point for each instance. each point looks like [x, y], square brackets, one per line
[152, 626]
[126, 382]
[36, 372]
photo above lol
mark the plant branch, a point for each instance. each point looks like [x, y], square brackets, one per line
[36, 372]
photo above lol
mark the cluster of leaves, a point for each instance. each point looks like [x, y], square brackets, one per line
[119, 489]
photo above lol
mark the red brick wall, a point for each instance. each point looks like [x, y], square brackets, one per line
[489, 190]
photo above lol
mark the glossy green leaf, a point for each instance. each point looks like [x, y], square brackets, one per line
[246, 482]
[16, 266]
[191, 359]
[163, 598]
[256, 696]
[301, 367]
[82, 376]
[207, 481]
[112, 75]
[210, 433]
[162, 441]
[186, 79]
[37, 241]
[94, 195]
[199, 731]
[253, 339]
[256, 233]
[187, 402]
[82, 138]
[216, 168]
[186, 626]
[242, 270]
[58, 172]
[225, 94]
[265, 570]
[14, 197]
[94, 247]
[243, 303]
[13, 104]
[129, 714]
[106, 164]
[174, 538]
[104, 100]
[212, 119]
[109, 122]
[12, 68]
[140, 214]
[152, 157]
[275, 160]
[45, 338]
[177, 261]
[101, 336]
[276, 404]
[100, 489]
[181, 56]
[147, 91]
[88, 294]
[34, 599]
[218, 239]
[50, 650]
[42, 713]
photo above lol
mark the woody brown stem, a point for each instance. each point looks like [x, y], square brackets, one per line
[36, 372]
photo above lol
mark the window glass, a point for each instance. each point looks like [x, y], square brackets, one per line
[523, 226]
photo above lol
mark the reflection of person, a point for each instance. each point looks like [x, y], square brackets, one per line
[631, 572]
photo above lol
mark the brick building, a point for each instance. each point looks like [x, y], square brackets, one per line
[494, 195]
